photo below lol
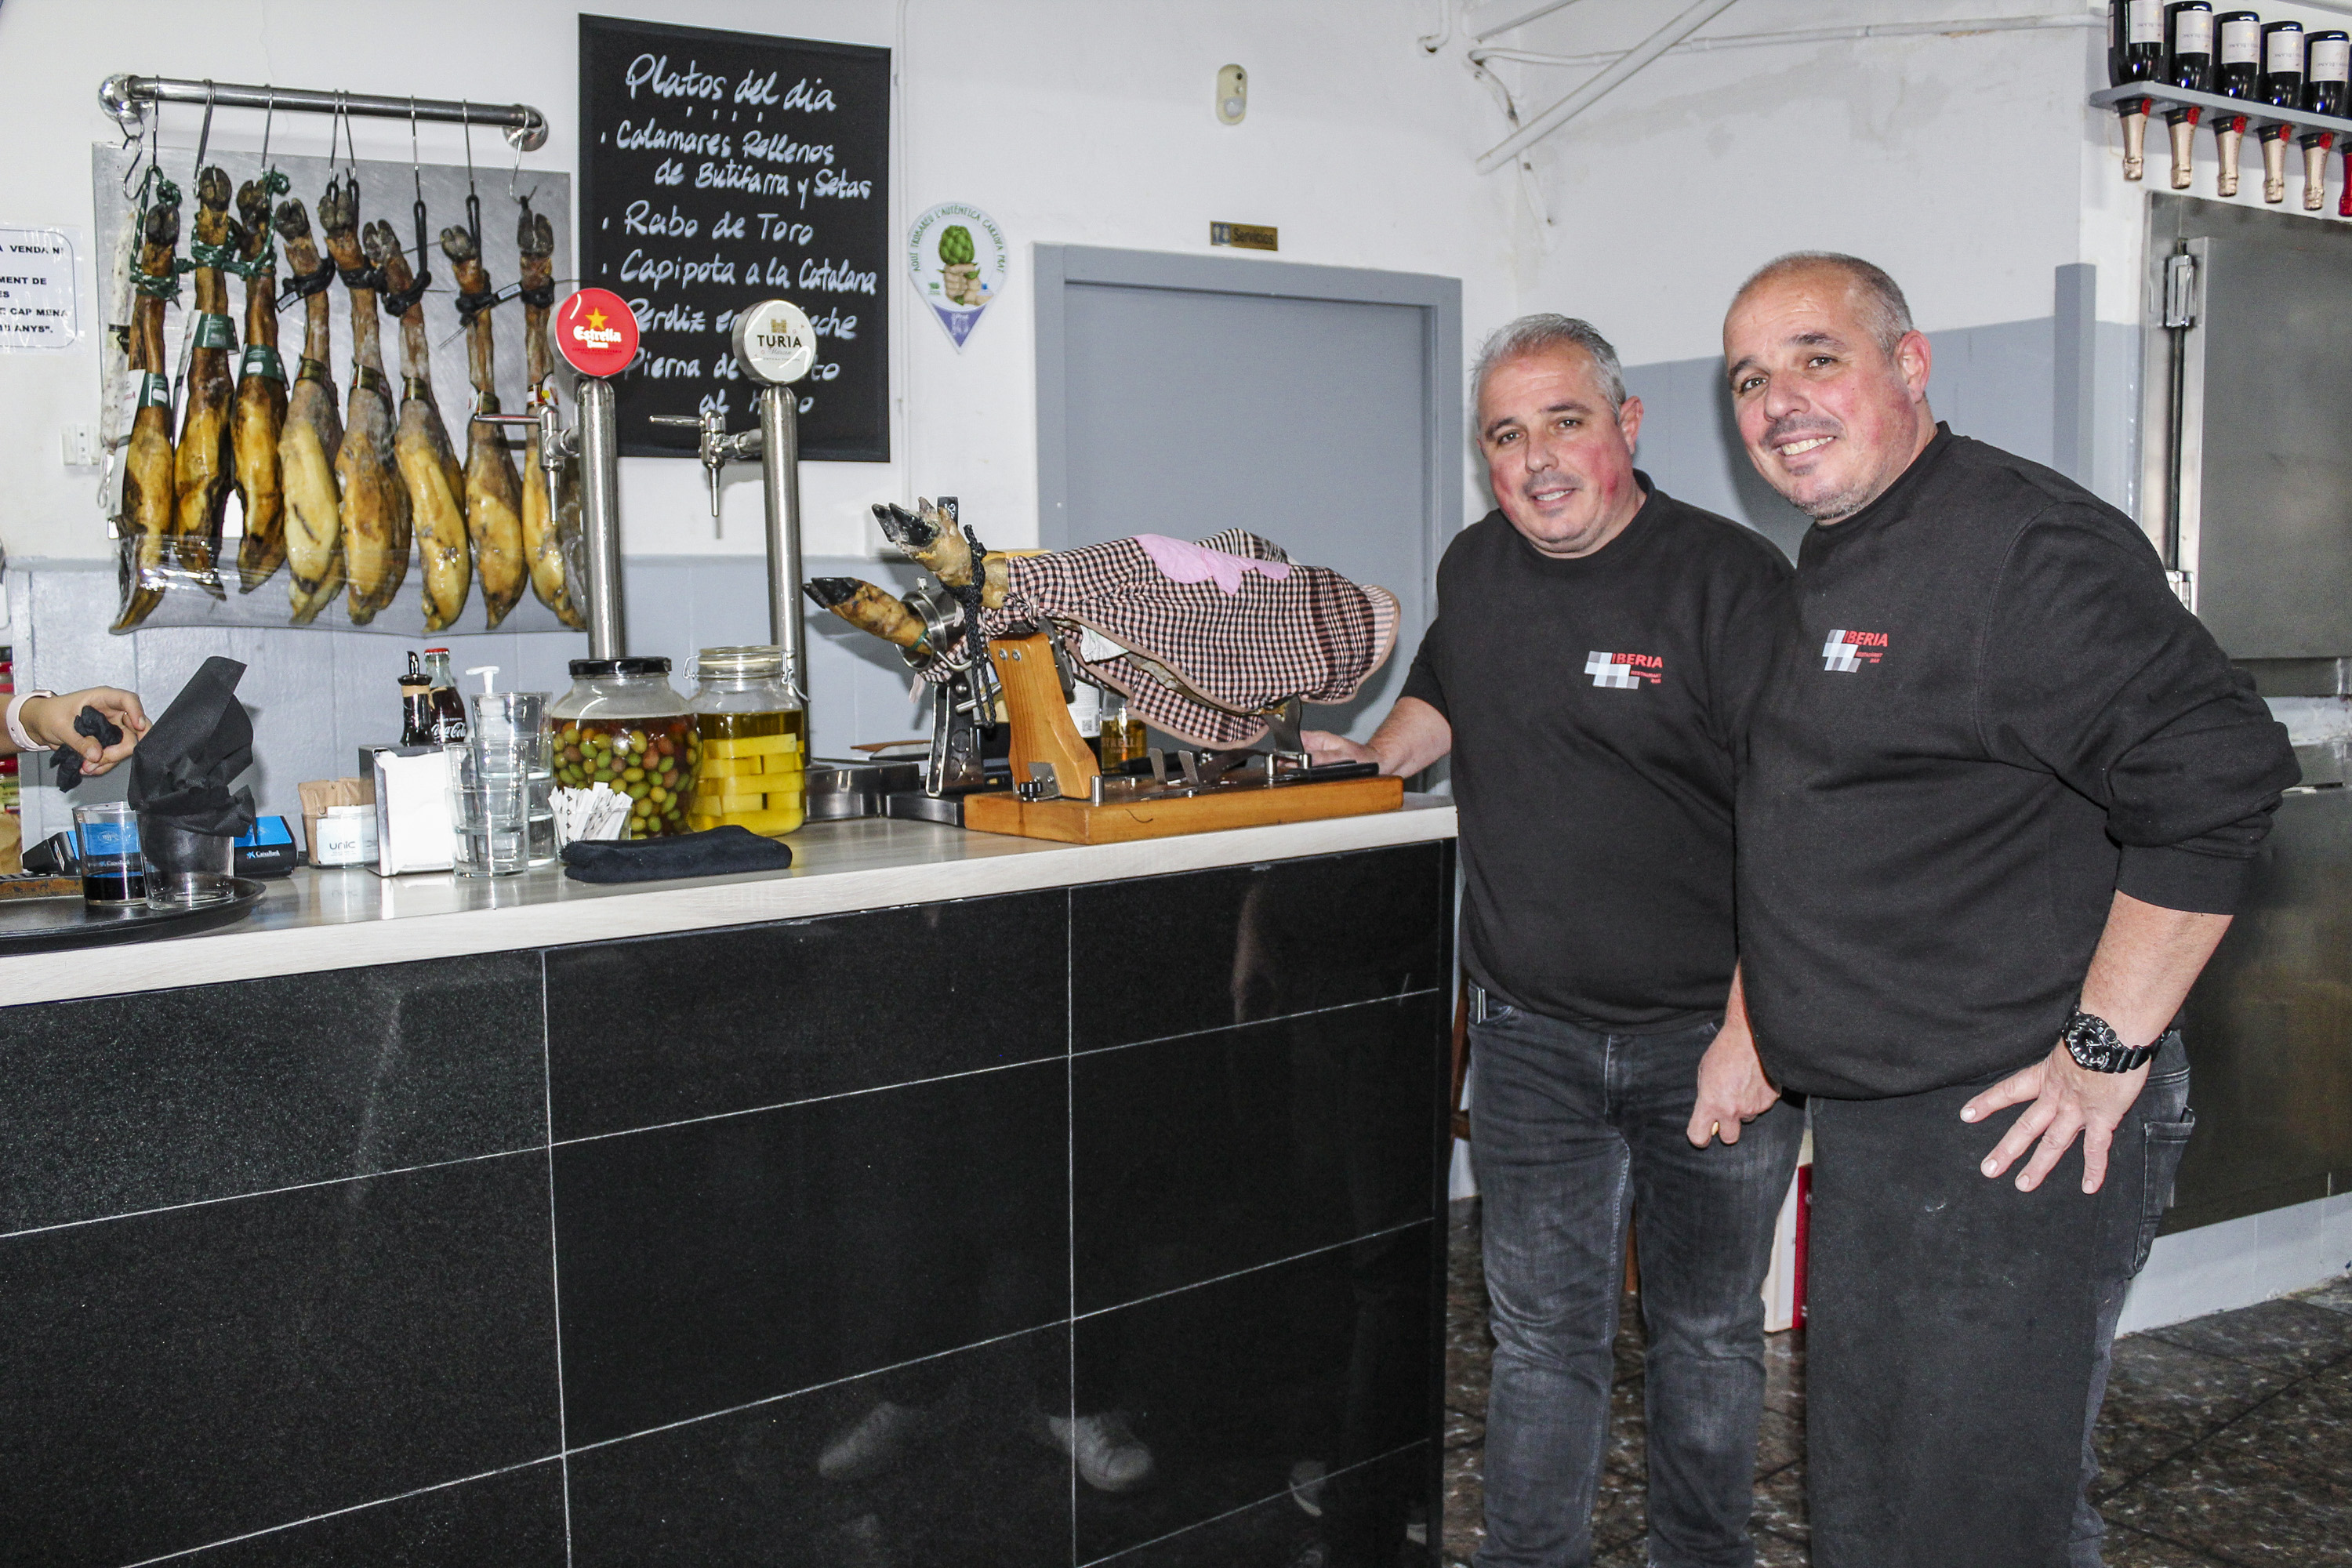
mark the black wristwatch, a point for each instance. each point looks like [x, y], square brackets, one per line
[2095, 1047]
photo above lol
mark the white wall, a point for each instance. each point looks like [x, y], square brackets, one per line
[1067, 120]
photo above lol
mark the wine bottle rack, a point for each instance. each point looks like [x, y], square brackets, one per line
[2256, 113]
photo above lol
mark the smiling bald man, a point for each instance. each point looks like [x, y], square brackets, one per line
[2001, 797]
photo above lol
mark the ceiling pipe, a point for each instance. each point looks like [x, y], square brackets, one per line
[1502, 15]
[1605, 83]
[1964, 27]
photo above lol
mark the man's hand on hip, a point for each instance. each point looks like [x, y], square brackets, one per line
[1732, 1088]
[2067, 1099]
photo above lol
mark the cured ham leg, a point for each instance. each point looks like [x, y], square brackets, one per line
[306, 445]
[934, 544]
[204, 460]
[868, 608]
[147, 467]
[420, 445]
[374, 511]
[550, 520]
[259, 415]
[493, 491]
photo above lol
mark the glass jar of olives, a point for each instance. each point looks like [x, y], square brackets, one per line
[754, 734]
[623, 725]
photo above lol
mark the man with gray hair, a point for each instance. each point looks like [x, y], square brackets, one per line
[1597, 650]
[2001, 796]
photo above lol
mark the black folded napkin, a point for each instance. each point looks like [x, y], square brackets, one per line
[715, 852]
[182, 770]
[89, 721]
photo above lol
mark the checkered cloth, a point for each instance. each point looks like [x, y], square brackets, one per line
[1193, 660]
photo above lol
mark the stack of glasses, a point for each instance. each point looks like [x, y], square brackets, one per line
[501, 787]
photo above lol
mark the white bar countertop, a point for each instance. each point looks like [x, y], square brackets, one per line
[344, 917]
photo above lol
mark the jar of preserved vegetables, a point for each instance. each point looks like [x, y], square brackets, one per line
[753, 731]
[623, 725]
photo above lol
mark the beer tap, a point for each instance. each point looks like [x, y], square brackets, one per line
[776, 347]
[716, 447]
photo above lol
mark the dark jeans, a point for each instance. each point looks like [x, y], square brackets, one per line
[1958, 1330]
[1567, 1128]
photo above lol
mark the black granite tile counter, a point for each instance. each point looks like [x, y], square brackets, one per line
[1030, 1228]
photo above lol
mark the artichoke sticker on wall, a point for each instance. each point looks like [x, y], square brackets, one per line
[957, 260]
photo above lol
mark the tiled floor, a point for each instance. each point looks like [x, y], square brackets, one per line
[2226, 1440]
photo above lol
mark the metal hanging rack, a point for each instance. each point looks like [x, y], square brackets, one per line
[125, 98]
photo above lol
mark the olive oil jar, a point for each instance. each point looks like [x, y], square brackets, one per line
[753, 731]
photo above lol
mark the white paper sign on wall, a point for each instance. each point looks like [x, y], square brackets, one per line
[38, 308]
[958, 261]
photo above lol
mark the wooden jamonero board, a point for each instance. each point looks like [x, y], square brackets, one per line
[1080, 822]
[720, 169]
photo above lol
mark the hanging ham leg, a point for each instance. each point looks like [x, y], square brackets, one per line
[493, 491]
[435, 484]
[551, 522]
[147, 467]
[260, 412]
[306, 445]
[374, 512]
[204, 460]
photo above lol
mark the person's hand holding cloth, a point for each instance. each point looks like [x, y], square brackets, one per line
[182, 770]
[90, 731]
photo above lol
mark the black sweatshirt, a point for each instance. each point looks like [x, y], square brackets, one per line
[1989, 714]
[1595, 705]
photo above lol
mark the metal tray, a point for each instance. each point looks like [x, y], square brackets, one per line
[49, 925]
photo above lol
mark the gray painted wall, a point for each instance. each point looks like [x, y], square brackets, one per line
[2031, 387]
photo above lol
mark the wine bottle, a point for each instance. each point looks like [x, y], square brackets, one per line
[2135, 53]
[2283, 88]
[2237, 72]
[2326, 64]
[2188, 62]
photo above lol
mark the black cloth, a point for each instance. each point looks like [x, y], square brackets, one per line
[183, 768]
[1595, 705]
[715, 852]
[1957, 1330]
[67, 761]
[1988, 714]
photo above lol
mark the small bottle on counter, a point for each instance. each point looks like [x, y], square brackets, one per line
[755, 735]
[1121, 741]
[448, 704]
[415, 706]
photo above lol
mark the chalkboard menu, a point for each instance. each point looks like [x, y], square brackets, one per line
[721, 169]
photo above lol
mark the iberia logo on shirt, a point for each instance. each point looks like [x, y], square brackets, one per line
[1852, 650]
[1625, 671]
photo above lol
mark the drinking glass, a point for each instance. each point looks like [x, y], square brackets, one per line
[185, 869]
[106, 841]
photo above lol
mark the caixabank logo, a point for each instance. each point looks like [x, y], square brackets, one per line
[1851, 650]
[1625, 671]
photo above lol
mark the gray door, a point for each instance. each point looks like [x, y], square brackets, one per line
[1316, 406]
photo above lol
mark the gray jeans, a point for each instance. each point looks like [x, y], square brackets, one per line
[1959, 1331]
[1569, 1129]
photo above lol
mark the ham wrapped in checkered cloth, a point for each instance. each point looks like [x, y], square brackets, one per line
[1193, 656]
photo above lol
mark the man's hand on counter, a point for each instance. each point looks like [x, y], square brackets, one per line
[1410, 739]
[50, 720]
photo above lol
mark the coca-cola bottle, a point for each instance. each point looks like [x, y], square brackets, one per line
[2188, 62]
[2237, 73]
[2326, 63]
[2135, 53]
[2282, 88]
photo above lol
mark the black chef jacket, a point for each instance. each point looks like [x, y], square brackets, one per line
[1989, 714]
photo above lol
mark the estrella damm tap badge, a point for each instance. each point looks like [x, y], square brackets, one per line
[596, 332]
